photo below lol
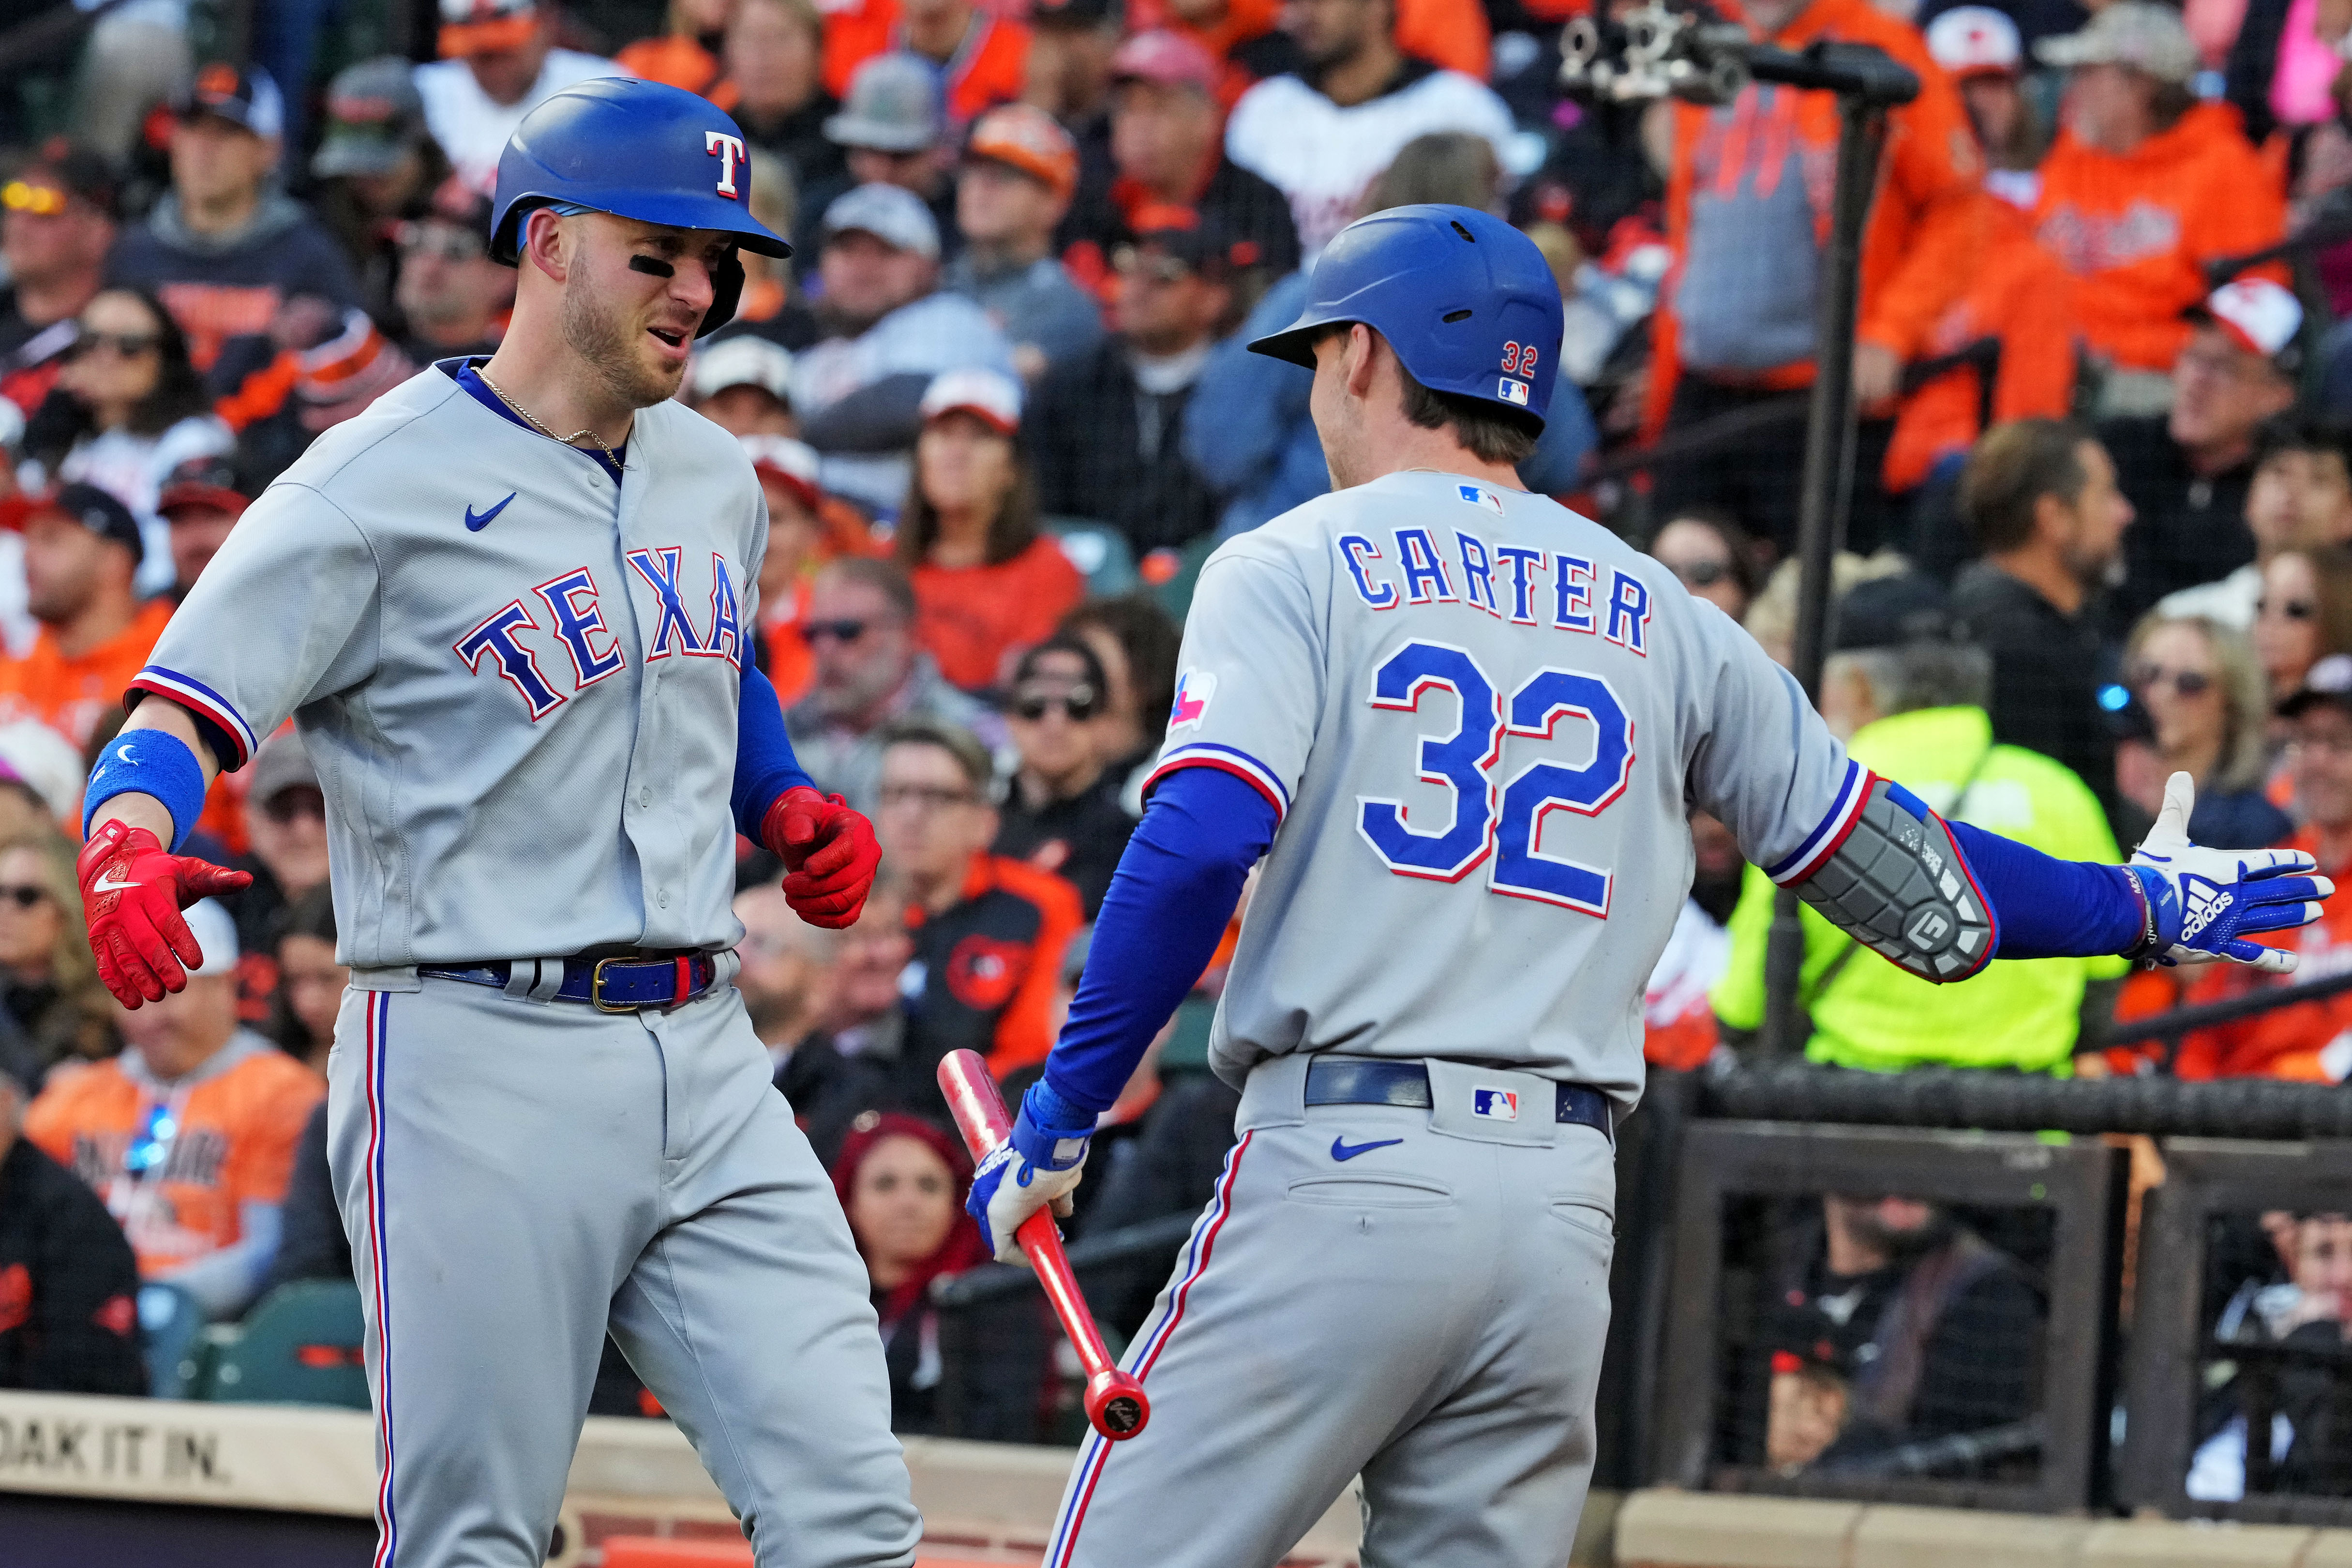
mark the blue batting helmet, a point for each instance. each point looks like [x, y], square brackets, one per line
[637, 149]
[1467, 302]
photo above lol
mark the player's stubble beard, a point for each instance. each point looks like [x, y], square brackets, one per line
[608, 340]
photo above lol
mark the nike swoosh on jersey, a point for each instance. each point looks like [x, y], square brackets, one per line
[476, 522]
[1343, 1150]
[104, 886]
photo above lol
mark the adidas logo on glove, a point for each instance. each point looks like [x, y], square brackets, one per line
[2207, 903]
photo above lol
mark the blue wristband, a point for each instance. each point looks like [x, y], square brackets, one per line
[1050, 1131]
[148, 762]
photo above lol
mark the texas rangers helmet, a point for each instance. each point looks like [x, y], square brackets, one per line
[637, 149]
[1467, 302]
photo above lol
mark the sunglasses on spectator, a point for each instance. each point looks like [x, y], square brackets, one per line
[930, 797]
[23, 196]
[1128, 261]
[1078, 704]
[1700, 573]
[23, 896]
[128, 345]
[2185, 682]
[285, 805]
[438, 239]
[840, 631]
[151, 1144]
[2292, 608]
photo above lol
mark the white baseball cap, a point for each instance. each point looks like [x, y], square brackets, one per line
[995, 398]
[2260, 316]
[215, 932]
[794, 461]
[746, 359]
[1975, 40]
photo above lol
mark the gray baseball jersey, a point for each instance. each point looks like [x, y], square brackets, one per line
[1482, 721]
[519, 675]
[479, 634]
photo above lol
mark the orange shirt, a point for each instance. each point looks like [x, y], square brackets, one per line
[238, 1117]
[2299, 1042]
[792, 667]
[71, 696]
[970, 618]
[2135, 230]
[991, 68]
[2021, 297]
[1925, 235]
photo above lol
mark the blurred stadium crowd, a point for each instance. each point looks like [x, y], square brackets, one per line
[1000, 410]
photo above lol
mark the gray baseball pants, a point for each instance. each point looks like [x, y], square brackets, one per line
[514, 1176]
[1419, 1296]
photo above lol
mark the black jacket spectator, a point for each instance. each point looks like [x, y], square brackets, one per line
[1106, 449]
[312, 1245]
[2188, 529]
[68, 1284]
[1079, 839]
[2046, 671]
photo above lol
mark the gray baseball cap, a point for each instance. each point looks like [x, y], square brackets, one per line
[281, 764]
[374, 117]
[893, 107]
[891, 214]
[2147, 37]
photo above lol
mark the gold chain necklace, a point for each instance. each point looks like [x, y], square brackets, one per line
[532, 420]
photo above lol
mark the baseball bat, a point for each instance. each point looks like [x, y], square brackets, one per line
[1115, 1403]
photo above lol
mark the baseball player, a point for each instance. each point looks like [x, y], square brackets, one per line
[508, 609]
[1463, 727]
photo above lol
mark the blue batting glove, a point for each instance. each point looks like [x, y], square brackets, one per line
[1039, 1164]
[2201, 904]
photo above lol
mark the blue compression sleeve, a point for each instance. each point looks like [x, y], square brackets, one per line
[764, 763]
[2048, 908]
[1175, 888]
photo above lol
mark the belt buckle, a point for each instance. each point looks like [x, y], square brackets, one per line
[597, 988]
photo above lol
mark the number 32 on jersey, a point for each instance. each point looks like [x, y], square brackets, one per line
[1504, 822]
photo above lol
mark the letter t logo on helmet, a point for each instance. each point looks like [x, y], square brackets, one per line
[728, 150]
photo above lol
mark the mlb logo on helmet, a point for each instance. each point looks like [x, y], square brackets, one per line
[1511, 391]
[1194, 690]
[1495, 1105]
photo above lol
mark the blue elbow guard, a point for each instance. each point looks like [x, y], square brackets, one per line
[148, 762]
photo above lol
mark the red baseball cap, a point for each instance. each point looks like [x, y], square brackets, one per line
[1023, 136]
[1169, 59]
[202, 482]
[792, 463]
[994, 398]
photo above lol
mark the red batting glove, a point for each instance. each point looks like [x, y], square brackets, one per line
[828, 851]
[132, 890]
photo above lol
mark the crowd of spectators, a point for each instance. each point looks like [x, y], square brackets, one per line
[1000, 408]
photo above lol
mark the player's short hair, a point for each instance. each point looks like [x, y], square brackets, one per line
[2013, 466]
[957, 742]
[1490, 432]
[884, 577]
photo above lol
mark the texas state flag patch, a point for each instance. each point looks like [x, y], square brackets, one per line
[1480, 495]
[1194, 690]
[1513, 392]
[1495, 1105]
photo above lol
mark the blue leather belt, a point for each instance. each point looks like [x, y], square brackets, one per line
[1364, 1083]
[621, 984]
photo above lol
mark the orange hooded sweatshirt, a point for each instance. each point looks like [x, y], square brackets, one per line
[2021, 297]
[2134, 229]
[1925, 235]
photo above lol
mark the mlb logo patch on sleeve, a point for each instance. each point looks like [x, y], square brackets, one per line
[1495, 1105]
[1194, 690]
[1480, 495]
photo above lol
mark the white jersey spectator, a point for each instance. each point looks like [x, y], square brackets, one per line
[499, 61]
[889, 329]
[1319, 137]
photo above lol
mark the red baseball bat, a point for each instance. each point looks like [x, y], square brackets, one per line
[1115, 1403]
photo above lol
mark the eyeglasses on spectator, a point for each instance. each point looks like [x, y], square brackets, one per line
[928, 797]
[438, 239]
[1079, 704]
[124, 345]
[1130, 262]
[24, 196]
[2185, 684]
[1700, 573]
[842, 632]
[288, 804]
